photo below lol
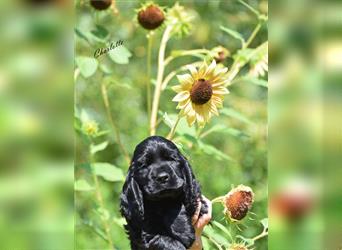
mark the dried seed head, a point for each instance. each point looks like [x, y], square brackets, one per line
[292, 206]
[100, 4]
[151, 17]
[238, 202]
[201, 92]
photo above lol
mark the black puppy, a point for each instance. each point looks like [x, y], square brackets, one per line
[159, 197]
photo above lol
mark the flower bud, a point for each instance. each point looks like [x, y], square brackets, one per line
[238, 202]
[100, 4]
[220, 54]
[151, 17]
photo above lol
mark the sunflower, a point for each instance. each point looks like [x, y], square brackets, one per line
[201, 92]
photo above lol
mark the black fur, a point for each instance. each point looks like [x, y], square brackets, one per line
[159, 197]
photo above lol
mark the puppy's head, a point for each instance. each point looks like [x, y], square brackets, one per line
[158, 171]
[157, 168]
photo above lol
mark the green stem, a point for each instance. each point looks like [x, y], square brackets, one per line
[157, 90]
[148, 83]
[217, 199]
[100, 201]
[114, 126]
[250, 8]
[168, 79]
[252, 36]
[235, 69]
[263, 234]
[213, 241]
[173, 129]
[186, 53]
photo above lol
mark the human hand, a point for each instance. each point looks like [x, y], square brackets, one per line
[200, 222]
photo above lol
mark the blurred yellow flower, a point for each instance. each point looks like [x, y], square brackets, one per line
[237, 247]
[201, 92]
[90, 128]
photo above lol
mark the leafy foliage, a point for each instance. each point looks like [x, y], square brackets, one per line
[112, 113]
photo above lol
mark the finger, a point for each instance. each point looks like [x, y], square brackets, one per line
[197, 212]
[209, 204]
[205, 218]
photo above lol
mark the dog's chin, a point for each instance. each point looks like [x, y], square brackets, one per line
[165, 193]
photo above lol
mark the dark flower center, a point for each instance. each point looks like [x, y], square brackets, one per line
[151, 18]
[101, 4]
[201, 92]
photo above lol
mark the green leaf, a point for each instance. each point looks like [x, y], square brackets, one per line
[82, 35]
[119, 221]
[87, 65]
[259, 82]
[182, 128]
[190, 138]
[223, 228]
[169, 120]
[248, 242]
[96, 229]
[100, 32]
[264, 223]
[244, 55]
[214, 235]
[235, 114]
[256, 81]
[250, 8]
[108, 171]
[205, 243]
[83, 185]
[84, 116]
[120, 55]
[99, 147]
[223, 129]
[103, 213]
[234, 34]
[211, 150]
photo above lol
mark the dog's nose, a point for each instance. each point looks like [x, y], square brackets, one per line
[162, 177]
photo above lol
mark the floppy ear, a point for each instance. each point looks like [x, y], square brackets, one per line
[132, 206]
[191, 187]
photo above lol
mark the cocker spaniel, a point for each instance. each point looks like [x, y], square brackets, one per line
[159, 197]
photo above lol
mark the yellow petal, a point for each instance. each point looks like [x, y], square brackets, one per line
[191, 119]
[211, 67]
[183, 104]
[185, 80]
[213, 108]
[217, 101]
[192, 70]
[202, 69]
[177, 88]
[220, 71]
[217, 84]
[199, 114]
[200, 118]
[187, 108]
[206, 112]
[220, 91]
[181, 96]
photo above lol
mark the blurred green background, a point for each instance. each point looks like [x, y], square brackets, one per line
[236, 155]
